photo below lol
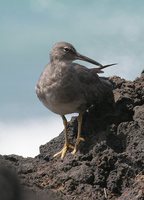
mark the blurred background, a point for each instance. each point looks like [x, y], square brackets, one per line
[108, 31]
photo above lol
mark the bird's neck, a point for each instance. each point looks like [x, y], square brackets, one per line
[61, 64]
[59, 68]
[57, 61]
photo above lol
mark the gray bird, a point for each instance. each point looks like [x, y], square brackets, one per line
[66, 87]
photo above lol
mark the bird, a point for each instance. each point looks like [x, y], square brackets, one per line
[66, 87]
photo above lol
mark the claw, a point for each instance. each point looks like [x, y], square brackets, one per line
[62, 153]
[81, 139]
[76, 145]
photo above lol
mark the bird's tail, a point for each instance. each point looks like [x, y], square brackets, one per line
[99, 69]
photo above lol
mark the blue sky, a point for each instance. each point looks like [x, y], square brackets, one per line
[107, 31]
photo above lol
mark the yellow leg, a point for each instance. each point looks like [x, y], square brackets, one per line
[79, 138]
[67, 145]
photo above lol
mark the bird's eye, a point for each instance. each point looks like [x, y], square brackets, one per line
[66, 49]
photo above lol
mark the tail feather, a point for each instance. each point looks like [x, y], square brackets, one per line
[99, 69]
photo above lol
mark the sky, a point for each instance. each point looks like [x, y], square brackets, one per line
[108, 31]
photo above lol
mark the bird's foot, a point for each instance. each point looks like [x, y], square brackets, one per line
[62, 153]
[76, 145]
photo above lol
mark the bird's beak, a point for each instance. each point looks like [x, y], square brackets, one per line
[84, 58]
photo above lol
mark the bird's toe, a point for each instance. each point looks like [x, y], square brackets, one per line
[74, 151]
[64, 150]
[81, 139]
[76, 145]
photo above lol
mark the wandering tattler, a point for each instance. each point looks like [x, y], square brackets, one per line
[66, 87]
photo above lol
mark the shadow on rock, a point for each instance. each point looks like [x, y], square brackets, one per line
[11, 189]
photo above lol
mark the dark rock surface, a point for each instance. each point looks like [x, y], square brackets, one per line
[109, 165]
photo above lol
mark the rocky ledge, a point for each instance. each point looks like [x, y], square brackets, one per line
[109, 164]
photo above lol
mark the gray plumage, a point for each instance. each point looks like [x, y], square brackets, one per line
[66, 87]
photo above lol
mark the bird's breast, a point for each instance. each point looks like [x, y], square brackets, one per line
[59, 93]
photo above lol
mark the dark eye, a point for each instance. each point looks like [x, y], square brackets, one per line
[66, 49]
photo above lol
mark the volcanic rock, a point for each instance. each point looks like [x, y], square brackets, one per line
[109, 164]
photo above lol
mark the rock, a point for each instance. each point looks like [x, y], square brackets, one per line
[109, 165]
[139, 115]
[9, 185]
[13, 188]
[136, 191]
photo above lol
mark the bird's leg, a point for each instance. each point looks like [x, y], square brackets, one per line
[79, 138]
[67, 145]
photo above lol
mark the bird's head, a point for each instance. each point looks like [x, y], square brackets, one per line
[63, 51]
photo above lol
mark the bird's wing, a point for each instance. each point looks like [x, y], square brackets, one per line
[86, 75]
[95, 88]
